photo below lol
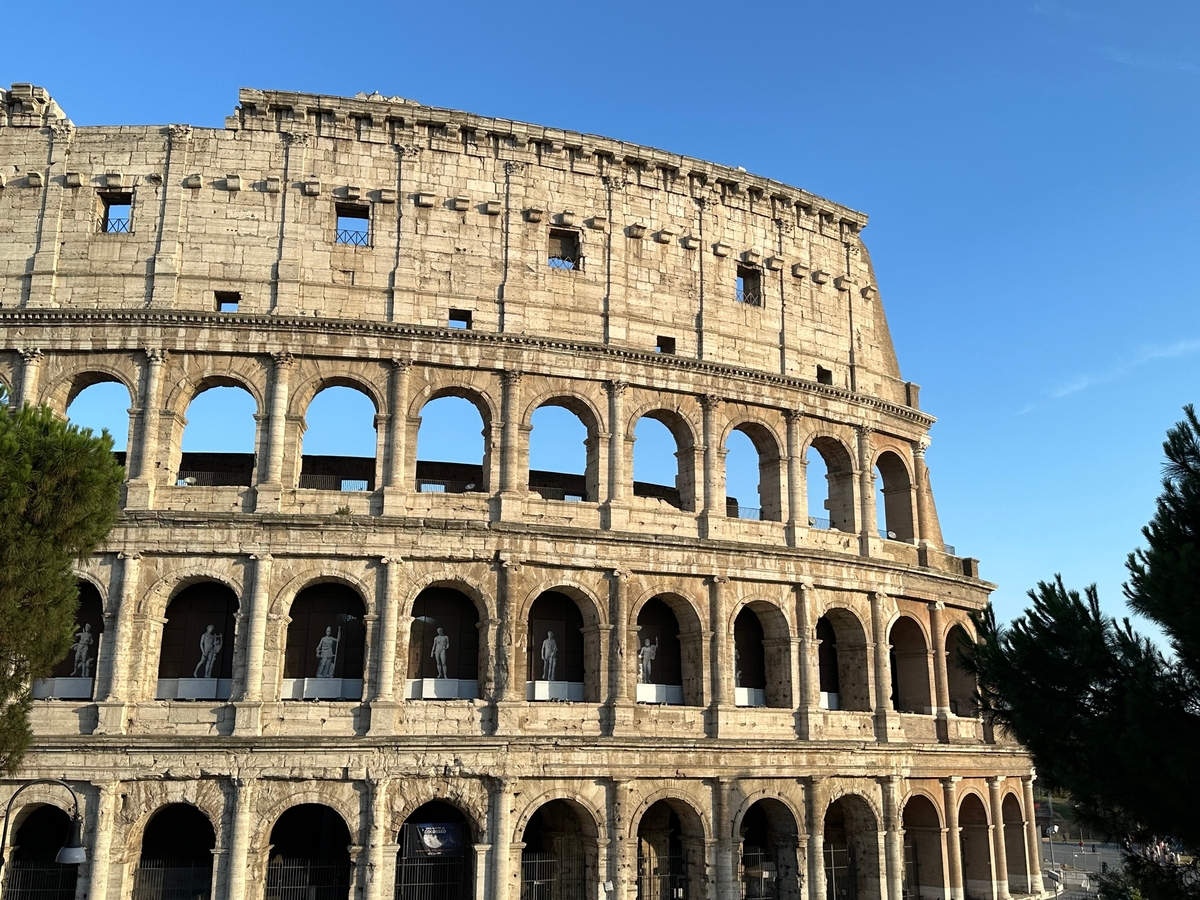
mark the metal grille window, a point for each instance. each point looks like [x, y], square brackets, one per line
[565, 252]
[353, 225]
[758, 875]
[664, 880]
[32, 879]
[167, 879]
[308, 879]
[422, 875]
[547, 876]
[749, 286]
[841, 873]
[115, 213]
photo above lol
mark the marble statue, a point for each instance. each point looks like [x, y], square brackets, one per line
[327, 650]
[83, 649]
[210, 646]
[549, 656]
[441, 644]
[646, 656]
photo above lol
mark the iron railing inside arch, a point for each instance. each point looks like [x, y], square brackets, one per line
[172, 879]
[664, 879]
[443, 872]
[35, 879]
[308, 879]
[550, 876]
[759, 875]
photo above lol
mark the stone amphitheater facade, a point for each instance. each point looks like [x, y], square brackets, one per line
[514, 266]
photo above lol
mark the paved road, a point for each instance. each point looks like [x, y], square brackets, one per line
[1090, 860]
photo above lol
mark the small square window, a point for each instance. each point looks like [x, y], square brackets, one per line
[665, 345]
[564, 251]
[749, 286]
[353, 224]
[824, 375]
[460, 318]
[115, 217]
[228, 301]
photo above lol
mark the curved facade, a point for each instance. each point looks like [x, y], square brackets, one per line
[413, 678]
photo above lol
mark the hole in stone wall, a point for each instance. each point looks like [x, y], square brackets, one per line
[460, 318]
[353, 224]
[665, 345]
[824, 375]
[227, 301]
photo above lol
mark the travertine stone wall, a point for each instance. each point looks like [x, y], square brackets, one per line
[460, 212]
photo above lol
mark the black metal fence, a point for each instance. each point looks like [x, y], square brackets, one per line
[308, 879]
[28, 879]
[212, 479]
[759, 875]
[446, 486]
[353, 236]
[433, 878]
[566, 262]
[165, 879]
[333, 483]
[547, 876]
[841, 873]
[666, 880]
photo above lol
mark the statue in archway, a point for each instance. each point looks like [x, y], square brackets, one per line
[646, 655]
[83, 649]
[210, 645]
[549, 656]
[441, 644]
[327, 651]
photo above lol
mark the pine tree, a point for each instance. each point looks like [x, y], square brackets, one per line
[59, 493]
[1105, 714]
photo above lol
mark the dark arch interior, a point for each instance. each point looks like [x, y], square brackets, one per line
[453, 613]
[658, 625]
[556, 613]
[41, 835]
[910, 667]
[311, 831]
[434, 860]
[553, 862]
[661, 860]
[827, 656]
[80, 660]
[326, 606]
[770, 867]
[922, 848]
[180, 833]
[189, 616]
[960, 682]
[750, 667]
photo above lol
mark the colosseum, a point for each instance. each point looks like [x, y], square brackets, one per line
[311, 676]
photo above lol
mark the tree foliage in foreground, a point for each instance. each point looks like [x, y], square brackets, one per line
[59, 491]
[1105, 715]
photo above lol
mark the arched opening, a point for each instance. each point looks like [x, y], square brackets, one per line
[752, 474]
[559, 854]
[177, 855]
[339, 440]
[102, 405]
[554, 649]
[74, 677]
[310, 854]
[563, 460]
[922, 850]
[443, 646]
[670, 859]
[770, 869]
[842, 661]
[975, 842]
[1015, 856]
[959, 682]
[453, 448]
[31, 872]
[851, 850]
[910, 667]
[326, 639]
[830, 476]
[434, 860]
[218, 438]
[749, 660]
[196, 658]
[663, 464]
[894, 500]
[660, 655]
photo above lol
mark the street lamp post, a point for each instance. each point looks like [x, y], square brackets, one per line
[72, 852]
[1050, 833]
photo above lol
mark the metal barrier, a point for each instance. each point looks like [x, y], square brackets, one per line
[29, 879]
[308, 879]
[352, 236]
[114, 225]
[670, 884]
[737, 511]
[547, 876]
[445, 486]
[751, 298]
[758, 875]
[333, 483]
[211, 479]
[841, 873]
[566, 262]
[166, 879]
[818, 522]
[433, 878]
[556, 493]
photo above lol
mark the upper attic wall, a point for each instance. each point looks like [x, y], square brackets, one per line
[460, 211]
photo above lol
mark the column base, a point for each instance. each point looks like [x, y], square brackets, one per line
[247, 718]
[395, 501]
[618, 718]
[113, 717]
[268, 497]
[383, 718]
[139, 495]
[509, 506]
[887, 728]
[804, 724]
[710, 525]
[717, 716]
[614, 516]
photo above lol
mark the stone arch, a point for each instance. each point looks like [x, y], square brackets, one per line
[590, 605]
[924, 867]
[468, 796]
[84, 572]
[310, 852]
[155, 600]
[692, 807]
[768, 445]
[842, 659]
[325, 645]
[237, 468]
[960, 683]
[909, 655]
[670, 836]
[840, 503]
[302, 793]
[559, 849]
[460, 386]
[590, 815]
[303, 394]
[63, 389]
[776, 642]
[690, 622]
[342, 455]
[586, 644]
[328, 571]
[198, 642]
[899, 513]
[683, 493]
[584, 408]
[484, 600]
[850, 853]
[461, 477]
[238, 372]
[975, 835]
[767, 831]
[1015, 851]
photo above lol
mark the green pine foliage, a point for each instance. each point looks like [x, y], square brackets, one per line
[59, 493]
[1106, 715]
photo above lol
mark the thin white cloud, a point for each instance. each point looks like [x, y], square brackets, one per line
[1154, 63]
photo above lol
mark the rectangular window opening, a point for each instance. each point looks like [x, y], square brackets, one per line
[824, 375]
[460, 318]
[116, 213]
[353, 224]
[749, 286]
[665, 345]
[564, 251]
[228, 301]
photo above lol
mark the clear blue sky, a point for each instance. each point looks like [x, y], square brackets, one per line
[1030, 169]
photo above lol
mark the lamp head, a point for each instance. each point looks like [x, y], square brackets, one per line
[72, 852]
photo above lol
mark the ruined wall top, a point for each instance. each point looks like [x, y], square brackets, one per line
[27, 105]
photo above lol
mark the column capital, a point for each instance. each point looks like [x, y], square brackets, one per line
[720, 579]
[400, 365]
[261, 556]
[621, 573]
[283, 359]
[156, 355]
[390, 560]
[950, 781]
[937, 606]
[129, 554]
[805, 584]
[615, 388]
[710, 402]
[30, 354]
[511, 378]
[921, 445]
[793, 414]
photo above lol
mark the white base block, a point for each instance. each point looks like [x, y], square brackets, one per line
[63, 688]
[749, 697]
[193, 689]
[322, 689]
[554, 690]
[441, 689]
[660, 693]
[830, 700]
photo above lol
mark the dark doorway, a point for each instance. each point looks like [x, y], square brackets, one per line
[32, 873]
[434, 861]
[553, 863]
[554, 647]
[176, 861]
[310, 855]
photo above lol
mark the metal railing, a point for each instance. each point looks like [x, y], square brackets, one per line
[167, 879]
[570, 263]
[667, 881]
[308, 879]
[187, 478]
[737, 511]
[446, 486]
[333, 483]
[546, 876]
[750, 298]
[432, 878]
[114, 225]
[353, 236]
[841, 873]
[29, 879]
[758, 875]
[818, 522]
[556, 493]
